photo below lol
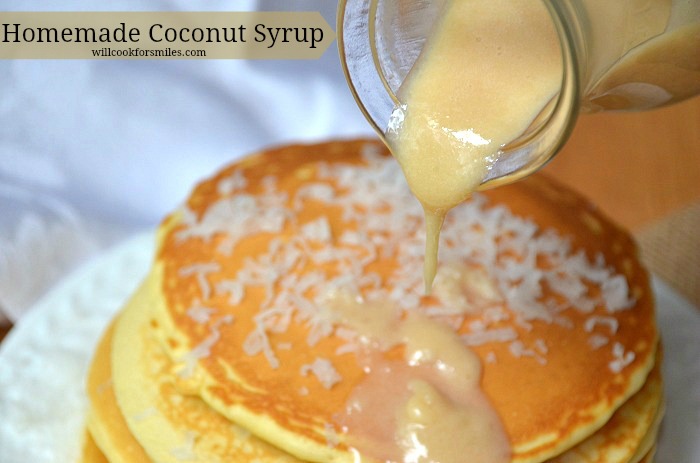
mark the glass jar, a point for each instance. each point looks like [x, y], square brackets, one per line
[616, 55]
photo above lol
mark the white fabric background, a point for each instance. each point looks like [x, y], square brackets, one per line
[93, 151]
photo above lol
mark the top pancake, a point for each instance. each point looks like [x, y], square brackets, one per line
[546, 291]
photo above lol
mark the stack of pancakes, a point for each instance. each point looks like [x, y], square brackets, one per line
[285, 319]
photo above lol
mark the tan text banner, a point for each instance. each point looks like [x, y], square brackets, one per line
[163, 35]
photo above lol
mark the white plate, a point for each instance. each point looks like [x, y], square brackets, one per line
[43, 361]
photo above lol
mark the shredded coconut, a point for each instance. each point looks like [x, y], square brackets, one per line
[257, 342]
[317, 230]
[318, 191]
[594, 320]
[616, 293]
[201, 271]
[200, 314]
[478, 338]
[203, 349]
[235, 289]
[518, 349]
[621, 358]
[597, 341]
[540, 346]
[235, 182]
[323, 370]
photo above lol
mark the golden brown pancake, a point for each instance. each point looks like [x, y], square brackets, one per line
[105, 419]
[91, 452]
[630, 433]
[537, 282]
[160, 431]
[649, 457]
[105, 423]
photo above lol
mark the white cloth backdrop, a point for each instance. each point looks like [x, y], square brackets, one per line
[93, 151]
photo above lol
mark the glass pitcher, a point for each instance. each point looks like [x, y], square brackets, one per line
[616, 55]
